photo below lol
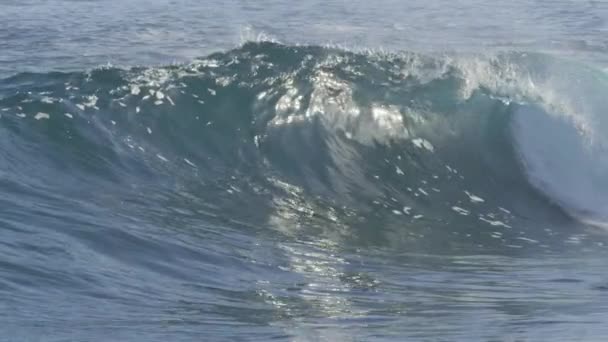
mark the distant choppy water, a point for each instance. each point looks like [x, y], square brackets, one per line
[333, 171]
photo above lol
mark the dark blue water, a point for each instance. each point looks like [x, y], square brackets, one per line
[311, 171]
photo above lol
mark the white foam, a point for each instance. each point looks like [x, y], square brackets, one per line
[422, 143]
[135, 90]
[170, 100]
[527, 240]
[461, 211]
[41, 116]
[473, 198]
[494, 223]
[504, 210]
[91, 101]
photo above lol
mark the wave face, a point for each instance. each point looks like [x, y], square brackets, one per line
[401, 149]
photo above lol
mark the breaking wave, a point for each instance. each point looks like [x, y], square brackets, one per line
[374, 148]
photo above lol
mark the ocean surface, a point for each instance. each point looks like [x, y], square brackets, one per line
[180, 170]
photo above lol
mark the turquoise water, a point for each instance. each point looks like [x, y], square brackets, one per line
[176, 170]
